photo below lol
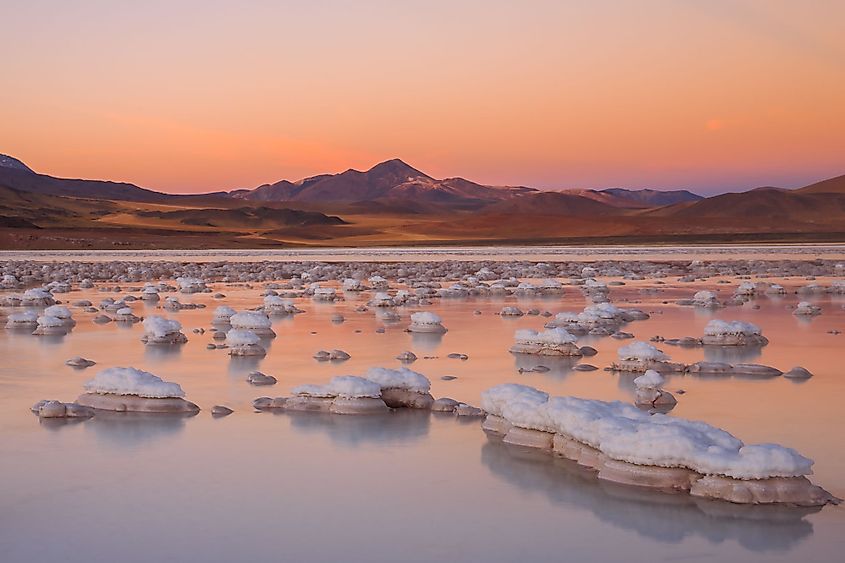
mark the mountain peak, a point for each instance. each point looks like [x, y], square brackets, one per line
[396, 167]
[11, 162]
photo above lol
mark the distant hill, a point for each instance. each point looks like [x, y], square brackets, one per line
[832, 185]
[651, 198]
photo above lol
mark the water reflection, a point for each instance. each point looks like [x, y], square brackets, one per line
[426, 341]
[403, 426]
[559, 366]
[665, 518]
[162, 352]
[129, 430]
[732, 354]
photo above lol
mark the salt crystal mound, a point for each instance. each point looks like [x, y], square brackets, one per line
[240, 337]
[625, 433]
[352, 386]
[402, 378]
[550, 342]
[733, 333]
[58, 311]
[641, 351]
[190, 285]
[131, 381]
[425, 321]
[251, 320]
[649, 380]
[223, 314]
[50, 326]
[276, 305]
[25, 319]
[159, 330]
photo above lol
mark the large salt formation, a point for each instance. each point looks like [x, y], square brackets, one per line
[379, 389]
[132, 390]
[259, 323]
[550, 342]
[638, 357]
[733, 333]
[158, 330]
[626, 445]
[243, 342]
[600, 319]
[426, 322]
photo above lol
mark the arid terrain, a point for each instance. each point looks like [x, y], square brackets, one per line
[395, 204]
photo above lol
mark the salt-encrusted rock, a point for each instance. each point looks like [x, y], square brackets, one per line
[220, 410]
[50, 326]
[444, 404]
[262, 403]
[798, 491]
[26, 320]
[755, 370]
[587, 351]
[258, 323]
[468, 411]
[407, 357]
[331, 355]
[130, 389]
[52, 409]
[426, 322]
[806, 309]
[641, 356]
[734, 333]
[222, 315]
[710, 368]
[358, 405]
[511, 312]
[667, 479]
[80, 362]
[258, 378]
[402, 387]
[550, 342]
[529, 438]
[159, 330]
[798, 373]
[650, 393]
[244, 343]
[496, 425]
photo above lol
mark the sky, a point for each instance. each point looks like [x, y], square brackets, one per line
[196, 96]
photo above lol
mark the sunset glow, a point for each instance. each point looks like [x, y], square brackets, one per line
[199, 96]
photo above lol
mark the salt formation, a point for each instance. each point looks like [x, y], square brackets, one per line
[243, 342]
[25, 320]
[706, 299]
[407, 357]
[275, 305]
[80, 362]
[259, 323]
[511, 312]
[37, 297]
[258, 378]
[323, 293]
[739, 370]
[125, 315]
[628, 446]
[331, 355]
[130, 389]
[402, 387]
[798, 373]
[222, 315]
[426, 322]
[345, 394]
[641, 356]
[50, 326]
[351, 284]
[733, 333]
[159, 330]
[806, 309]
[150, 293]
[550, 342]
[191, 285]
[62, 313]
[57, 409]
[650, 393]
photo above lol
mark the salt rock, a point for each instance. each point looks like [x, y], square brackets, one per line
[134, 403]
[667, 479]
[404, 398]
[798, 373]
[309, 403]
[529, 438]
[80, 362]
[468, 410]
[357, 405]
[444, 404]
[262, 403]
[52, 409]
[220, 410]
[798, 491]
[407, 357]
[497, 425]
[258, 378]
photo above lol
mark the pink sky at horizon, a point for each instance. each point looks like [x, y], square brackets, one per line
[197, 96]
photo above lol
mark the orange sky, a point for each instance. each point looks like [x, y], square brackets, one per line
[206, 95]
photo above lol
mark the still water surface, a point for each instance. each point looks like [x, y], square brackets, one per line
[406, 486]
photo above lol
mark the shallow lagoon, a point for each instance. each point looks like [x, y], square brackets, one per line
[313, 487]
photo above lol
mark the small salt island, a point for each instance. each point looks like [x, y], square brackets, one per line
[127, 389]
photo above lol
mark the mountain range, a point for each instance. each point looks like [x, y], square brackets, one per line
[394, 203]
